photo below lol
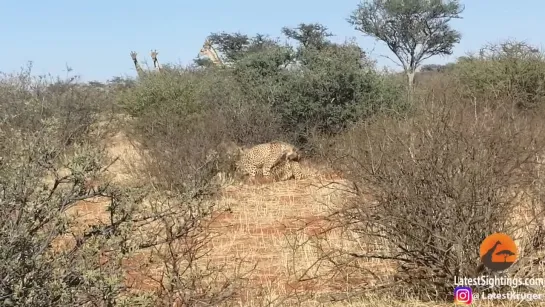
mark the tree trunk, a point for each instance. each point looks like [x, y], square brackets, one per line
[410, 84]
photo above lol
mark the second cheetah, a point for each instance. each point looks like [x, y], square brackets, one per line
[286, 170]
[265, 157]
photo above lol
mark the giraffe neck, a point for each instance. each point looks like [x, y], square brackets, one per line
[157, 65]
[139, 69]
[214, 56]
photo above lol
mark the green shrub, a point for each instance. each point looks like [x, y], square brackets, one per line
[510, 70]
[332, 89]
[182, 115]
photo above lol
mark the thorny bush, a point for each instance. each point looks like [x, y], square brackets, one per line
[50, 151]
[443, 179]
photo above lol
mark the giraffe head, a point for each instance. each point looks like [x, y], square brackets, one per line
[205, 50]
[133, 55]
[154, 54]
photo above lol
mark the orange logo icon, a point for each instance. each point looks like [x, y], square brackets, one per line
[498, 252]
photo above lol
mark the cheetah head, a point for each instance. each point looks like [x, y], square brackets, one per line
[230, 148]
[292, 155]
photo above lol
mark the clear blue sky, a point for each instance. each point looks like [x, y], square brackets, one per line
[95, 37]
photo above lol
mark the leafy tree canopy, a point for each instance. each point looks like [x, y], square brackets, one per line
[414, 30]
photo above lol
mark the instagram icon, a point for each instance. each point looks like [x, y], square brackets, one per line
[463, 296]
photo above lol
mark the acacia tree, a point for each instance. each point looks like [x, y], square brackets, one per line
[231, 45]
[309, 35]
[414, 30]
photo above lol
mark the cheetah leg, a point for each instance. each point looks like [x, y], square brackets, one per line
[252, 173]
[296, 170]
[286, 175]
[288, 170]
[268, 166]
[248, 172]
[281, 172]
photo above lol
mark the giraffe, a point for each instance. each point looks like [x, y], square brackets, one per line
[139, 69]
[156, 64]
[209, 51]
[487, 257]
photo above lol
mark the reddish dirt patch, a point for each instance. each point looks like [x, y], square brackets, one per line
[307, 285]
[222, 218]
[317, 225]
[90, 212]
[140, 273]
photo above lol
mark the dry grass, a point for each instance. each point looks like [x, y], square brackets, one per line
[278, 229]
[270, 226]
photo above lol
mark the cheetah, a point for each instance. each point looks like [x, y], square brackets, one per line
[286, 170]
[265, 157]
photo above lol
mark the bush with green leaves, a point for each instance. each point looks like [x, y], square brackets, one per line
[176, 89]
[181, 115]
[261, 74]
[335, 87]
[316, 86]
[510, 70]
